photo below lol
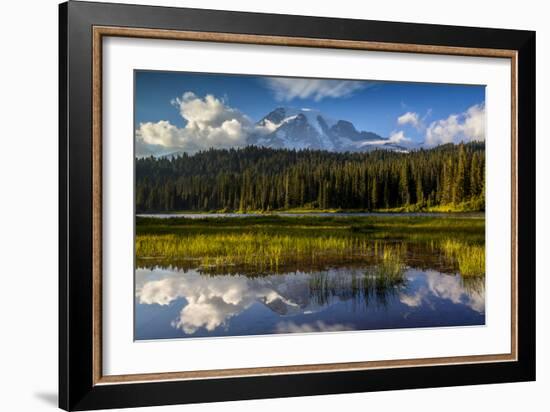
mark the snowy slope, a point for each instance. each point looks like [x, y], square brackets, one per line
[292, 128]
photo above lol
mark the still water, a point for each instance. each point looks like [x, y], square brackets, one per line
[305, 214]
[172, 302]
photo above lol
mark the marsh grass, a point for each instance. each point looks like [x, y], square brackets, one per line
[392, 264]
[274, 243]
[470, 258]
[256, 249]
[393, 223]
[370, 286]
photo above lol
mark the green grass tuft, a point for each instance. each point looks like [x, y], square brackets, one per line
[470, 258]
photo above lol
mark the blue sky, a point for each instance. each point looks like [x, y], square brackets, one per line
[370, 106]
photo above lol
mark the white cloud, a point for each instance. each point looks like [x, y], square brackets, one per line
[456, 128]
[413, 119]
[161, 133]
[398, 137]
[409, 118]
[317, 89]
[145, 149]
[209, 112]
[209, 123]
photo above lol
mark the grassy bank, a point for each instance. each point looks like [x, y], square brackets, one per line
[470, 229]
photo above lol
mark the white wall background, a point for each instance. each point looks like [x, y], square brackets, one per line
[28, 203]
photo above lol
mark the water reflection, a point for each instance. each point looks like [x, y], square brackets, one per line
[458, 290]
[173, 302]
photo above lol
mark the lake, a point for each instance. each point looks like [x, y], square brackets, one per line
[305, 214]
[260, 275]
[172, 303]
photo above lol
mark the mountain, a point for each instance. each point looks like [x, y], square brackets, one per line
[289, 128]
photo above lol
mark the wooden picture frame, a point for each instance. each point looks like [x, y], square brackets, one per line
[82, 385]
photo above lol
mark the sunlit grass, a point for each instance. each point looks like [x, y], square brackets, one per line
[470, 258]
[392, 264]
[256, 249]
[273, 243]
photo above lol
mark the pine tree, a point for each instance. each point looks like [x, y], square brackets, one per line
[386, 194]
[460, 182]
[374, 194]
[287, 191]
[447, 183]
[476, 176]
[404, 185]
[419, 191]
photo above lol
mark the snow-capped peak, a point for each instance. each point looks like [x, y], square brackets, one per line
[305, 128]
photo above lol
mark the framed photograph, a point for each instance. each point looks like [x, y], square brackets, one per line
[257, 206]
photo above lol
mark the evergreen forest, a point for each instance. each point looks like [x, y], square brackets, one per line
[448, 177]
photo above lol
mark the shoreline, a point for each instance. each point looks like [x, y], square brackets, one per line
[313, 213]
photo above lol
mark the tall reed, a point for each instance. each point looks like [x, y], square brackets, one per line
[258, 249]
[470, 258]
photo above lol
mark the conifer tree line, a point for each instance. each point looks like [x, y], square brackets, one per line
[263, 179]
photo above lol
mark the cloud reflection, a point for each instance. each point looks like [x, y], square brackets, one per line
[318, 326]
[211, 300]
[446, 287]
